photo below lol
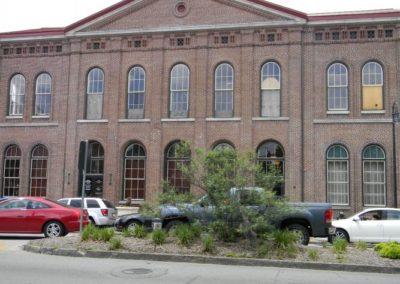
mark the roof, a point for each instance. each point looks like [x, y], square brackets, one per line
[340, 16]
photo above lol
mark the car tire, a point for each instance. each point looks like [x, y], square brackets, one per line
[304, 235]
[91, 221]
[172, 224]
[53, 229]
[340, 234]
[132, 224]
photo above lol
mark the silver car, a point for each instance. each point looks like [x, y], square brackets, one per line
[101, 211]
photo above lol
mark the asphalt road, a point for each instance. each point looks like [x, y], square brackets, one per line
[18, 266]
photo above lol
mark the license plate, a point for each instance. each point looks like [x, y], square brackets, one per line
[332, 230]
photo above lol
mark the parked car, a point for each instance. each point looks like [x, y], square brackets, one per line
[371, 225]
[101, 211]
[36, 215]
[2, 198]
[308, 219]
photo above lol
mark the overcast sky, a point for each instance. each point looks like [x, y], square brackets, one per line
[31, 14]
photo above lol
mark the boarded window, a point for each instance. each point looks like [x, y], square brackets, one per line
[372, 86]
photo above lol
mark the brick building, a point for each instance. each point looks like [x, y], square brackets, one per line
[312, 94]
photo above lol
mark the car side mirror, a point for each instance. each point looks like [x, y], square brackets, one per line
[356, 219]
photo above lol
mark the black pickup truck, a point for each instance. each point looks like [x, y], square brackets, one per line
[308, 219]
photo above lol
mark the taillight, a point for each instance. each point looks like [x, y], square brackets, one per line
[85, 214]
[328, 215]
[104, 212]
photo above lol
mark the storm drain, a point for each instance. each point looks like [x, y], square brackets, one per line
[138, 272]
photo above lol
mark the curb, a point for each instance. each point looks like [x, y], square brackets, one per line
[213, 260]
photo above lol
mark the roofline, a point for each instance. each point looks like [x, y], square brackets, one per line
[347, 17]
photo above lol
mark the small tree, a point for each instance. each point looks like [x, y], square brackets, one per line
[232, 182]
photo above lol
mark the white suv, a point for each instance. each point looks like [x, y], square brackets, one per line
[101, 211]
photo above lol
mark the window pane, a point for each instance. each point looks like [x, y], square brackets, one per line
[17, 95]
[179, 93]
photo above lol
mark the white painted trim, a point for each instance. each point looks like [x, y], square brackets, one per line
[14, 117]
[29, 124]
[40, 116]
[373, 111]
[83, 121]
[352, 121]
[223, 118]
[337, 112]
[178, 119]
[282, 118]
[353, 21]
[130, 120]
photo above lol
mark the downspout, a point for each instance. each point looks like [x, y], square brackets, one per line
[302, 114]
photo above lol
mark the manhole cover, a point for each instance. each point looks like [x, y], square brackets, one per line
[137, 271]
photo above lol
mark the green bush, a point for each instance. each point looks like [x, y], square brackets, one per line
[389, 250]
[340, 246]
[185, 234]
[115, 243]
[159, 236]
[139, 231]
[360, 245]
[285, 242]
[313, 254]
[208, 243]
[94, 233]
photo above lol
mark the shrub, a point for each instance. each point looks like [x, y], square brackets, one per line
[92, 232]
[87, 232]
[139, 231]
[340, 246]
[115, 243]
[106, 234]
[285, 242]
[208, 243]
[185, 234]
[389, 250]
[313, 254]
[158, 237]
[360, 245]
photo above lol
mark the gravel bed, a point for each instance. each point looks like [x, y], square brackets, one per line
[244, 249]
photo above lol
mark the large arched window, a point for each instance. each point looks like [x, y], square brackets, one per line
[338, 87]
[179, 91]
[372, 86]
[11, 177]
[223, 105]
[43, 95]
[270, 89]
[95, 92]
[223, 146]
[17, 95]
[374, 176]
[134, 172]
[136, 92]
[337, 175]
[38, 176]
[174, 162]
[271, 156]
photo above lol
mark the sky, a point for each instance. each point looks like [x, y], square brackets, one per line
[32, 14]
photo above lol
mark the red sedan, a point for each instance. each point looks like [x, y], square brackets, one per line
[36, 215]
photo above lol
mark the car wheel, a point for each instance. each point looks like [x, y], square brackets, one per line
[132, 224]
[172, 224]
[53, 229]
[91, 221]
[341, 234]
[304, 235]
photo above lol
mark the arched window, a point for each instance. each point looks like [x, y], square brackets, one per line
[11, 177]
[136, 92]
[374, 176]
[272, 159]
[38, 177]
[337, 175]
[43, 95]
[223, 146]
[17, 95]
[134, 172]
[95, 92]
[372, 86]
[223, 105]
[179, 92]
[95, 169]
[270, 89]
[174, 163]
[338, 87]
